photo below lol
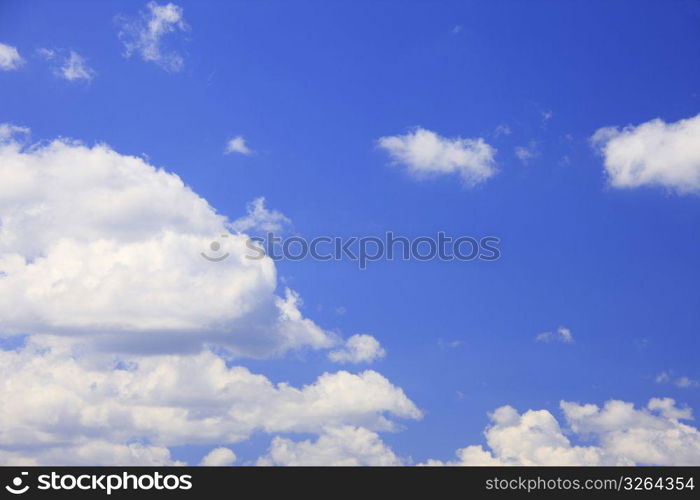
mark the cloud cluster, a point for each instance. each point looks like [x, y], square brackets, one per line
[63, 398]
[654, 153]
[145, 34]
[425, 153]
[9, 58]
[129, 331]
[622, 435]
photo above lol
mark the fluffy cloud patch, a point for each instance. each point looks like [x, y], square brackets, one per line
[343, 446]
[237, 145]
[145, 35]
[63, 397]
[654, 153]
[98, 244]
[622, 435]
[219, 457]
[360, 348]
[425, 153]
[9, 58]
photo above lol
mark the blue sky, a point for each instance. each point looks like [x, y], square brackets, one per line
[313, 85]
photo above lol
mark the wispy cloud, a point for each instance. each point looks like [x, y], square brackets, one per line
[70, 65]
[562, 334]
[527, 153]
[145, 34]
[682, 382]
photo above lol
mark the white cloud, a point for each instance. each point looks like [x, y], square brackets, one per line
[9, 58]
[75, 68]
[260, 218]
[237, 145]
[105, 246]
[425, 153]
[654, 153]
[62, 397]
[622, 435]
[341, 446]
[526, 153]
[219, 457]
[360, 348]
[72, 66]
[145, 35]
[562, 334]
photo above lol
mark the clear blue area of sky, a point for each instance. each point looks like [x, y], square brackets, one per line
[312, 85]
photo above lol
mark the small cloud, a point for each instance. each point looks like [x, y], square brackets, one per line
[449, 344]
[425, 153]
[237, 145]
[527, 153]
[145, 34]
[219, 457]
[260, 218]
[682, 382]
[360, 348]
[502, 129]
[562, 334]
[456, 29]
[71, 65]
[340, 310]
[686, 382]
[9, 58]
[45, 53]
[75, 68]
